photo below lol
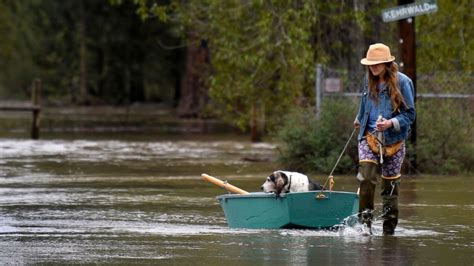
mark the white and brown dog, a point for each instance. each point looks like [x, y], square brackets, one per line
[284, 182]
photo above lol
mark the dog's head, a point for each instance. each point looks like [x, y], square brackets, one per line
[275, 183]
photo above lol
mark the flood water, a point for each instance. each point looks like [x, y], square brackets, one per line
[135, 200]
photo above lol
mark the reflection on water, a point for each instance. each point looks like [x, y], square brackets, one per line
[143, 202]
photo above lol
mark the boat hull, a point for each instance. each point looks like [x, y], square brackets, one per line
[260, 210]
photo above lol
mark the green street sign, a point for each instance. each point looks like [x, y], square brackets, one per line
[408, 11]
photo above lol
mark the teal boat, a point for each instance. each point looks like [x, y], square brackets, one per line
[258, 210]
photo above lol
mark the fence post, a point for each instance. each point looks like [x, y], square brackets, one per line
[318, 89]
[36, 101]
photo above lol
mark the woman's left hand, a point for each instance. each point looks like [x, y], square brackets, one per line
[383, 125]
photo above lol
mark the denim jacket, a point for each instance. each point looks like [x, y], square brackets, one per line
[401, 119]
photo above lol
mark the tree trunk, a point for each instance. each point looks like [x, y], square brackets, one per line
[83, 97]
[193, 89]
[137, 86]
[256, 124]
[178, 53]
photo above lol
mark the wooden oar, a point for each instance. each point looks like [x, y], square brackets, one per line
[222, 184]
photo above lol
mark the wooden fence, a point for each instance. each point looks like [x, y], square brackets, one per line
[34, 106]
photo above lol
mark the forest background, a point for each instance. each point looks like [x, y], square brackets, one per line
[248, 63]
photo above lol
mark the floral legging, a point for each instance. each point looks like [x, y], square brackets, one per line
[391, 165]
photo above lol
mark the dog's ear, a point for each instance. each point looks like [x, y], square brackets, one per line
[272, 177]
[280, 182]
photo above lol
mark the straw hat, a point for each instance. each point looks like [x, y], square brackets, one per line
[378, 53]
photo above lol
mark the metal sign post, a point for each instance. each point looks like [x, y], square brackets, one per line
[405, 13]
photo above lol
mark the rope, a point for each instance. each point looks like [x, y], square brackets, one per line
[342, 153]
[330, 178]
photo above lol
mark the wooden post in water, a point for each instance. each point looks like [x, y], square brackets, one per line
[36, 102]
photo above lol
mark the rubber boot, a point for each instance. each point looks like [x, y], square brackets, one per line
[389, 194]
[368, 180]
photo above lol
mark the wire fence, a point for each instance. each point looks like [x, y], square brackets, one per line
[444, 84]
[332, 82]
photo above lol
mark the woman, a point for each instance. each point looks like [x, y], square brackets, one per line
[385, 114]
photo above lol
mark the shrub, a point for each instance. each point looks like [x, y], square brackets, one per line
[444, 138]
[311, 144]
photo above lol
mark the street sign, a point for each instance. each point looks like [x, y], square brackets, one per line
[333, 85]
[410, 10]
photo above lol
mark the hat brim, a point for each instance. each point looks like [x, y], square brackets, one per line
[367, 62]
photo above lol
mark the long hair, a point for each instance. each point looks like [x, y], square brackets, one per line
[391, 78]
